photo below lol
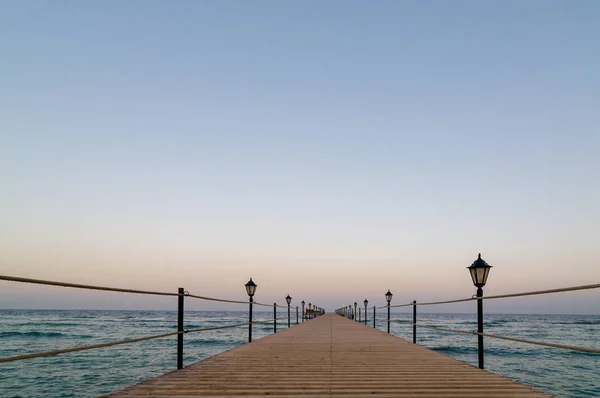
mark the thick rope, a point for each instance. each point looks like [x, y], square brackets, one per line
[231, 301]
[532, 293]
[81, 286]
[84, 348]
[218, 299]
[542, 343]
[560, 290]
[395, 306]
[494, 336]
[400, 305]
[448, 301]
[116, 289]
[136, 340]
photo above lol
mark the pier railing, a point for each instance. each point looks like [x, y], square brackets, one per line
[182, 294]
[357, 314]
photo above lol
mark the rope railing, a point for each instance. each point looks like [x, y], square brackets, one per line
[122, 290]
[521, 294]
[127, 341]
[479, 298]
[181, 295]
[495, 336]
[85, 348]
[448, 301]
[536, 292]
[542, 343]
[82, 286]
[219, 299]
[395, 306]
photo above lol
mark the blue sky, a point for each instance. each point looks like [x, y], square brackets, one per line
[376, 145]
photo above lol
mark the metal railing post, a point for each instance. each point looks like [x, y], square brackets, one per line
[180, 328]
[365, 315]
[250, 321]
[414, 322]
[288, 315]
[388, 317]
[274, 317]
[296, 315]
[480, 326]
[359, 316]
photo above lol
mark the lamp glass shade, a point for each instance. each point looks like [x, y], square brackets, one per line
[388, 296]
[366, 302]
[355, 304]
[251, 287]
[479, 271]
[288, 299]
[303, 302]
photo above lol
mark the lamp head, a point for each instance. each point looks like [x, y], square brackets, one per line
[251, 287]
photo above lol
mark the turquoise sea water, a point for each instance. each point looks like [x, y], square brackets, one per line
[95, 372]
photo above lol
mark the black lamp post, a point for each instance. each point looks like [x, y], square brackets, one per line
[388, 298]
[414, 322]
[479, 273]
[366, 302]
[296, 315]
[310, 310]
[303, 310]
[250, 289]
[355, 318]
[288, 299]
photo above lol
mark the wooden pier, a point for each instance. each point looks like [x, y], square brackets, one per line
[330, 356]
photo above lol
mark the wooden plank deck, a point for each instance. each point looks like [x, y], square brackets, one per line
[330, 356]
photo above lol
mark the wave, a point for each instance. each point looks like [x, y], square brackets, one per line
[48, 324]
[595, 322]
[492, 351]
[203, 325]
[510, 320]
[452, 349]
[33, 334]
[212, 343]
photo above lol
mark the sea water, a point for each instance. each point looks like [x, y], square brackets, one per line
[91, 373]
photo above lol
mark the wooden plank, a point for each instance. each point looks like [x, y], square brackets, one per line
[330, 356]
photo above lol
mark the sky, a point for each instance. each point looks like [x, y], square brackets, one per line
[330, 150]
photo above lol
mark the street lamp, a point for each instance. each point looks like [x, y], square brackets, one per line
[388, 298]
[355, 311]
[250, 289]
[366, 302]
[303, 310]
[310, 310]
[288, 299]
[479, 273]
